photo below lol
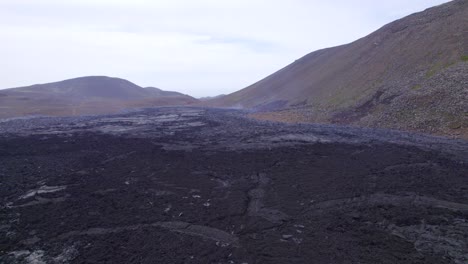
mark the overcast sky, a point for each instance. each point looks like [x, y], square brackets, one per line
[198, 47]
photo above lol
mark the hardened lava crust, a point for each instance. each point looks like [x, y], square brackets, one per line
[196, 185]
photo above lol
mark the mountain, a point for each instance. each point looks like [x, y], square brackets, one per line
[84, 95]
[84, 88]
[161, 93]
[411, 74]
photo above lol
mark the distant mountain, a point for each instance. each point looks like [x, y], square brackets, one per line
[160, 93]
[84, 95]
[85, 88]
[411, 74]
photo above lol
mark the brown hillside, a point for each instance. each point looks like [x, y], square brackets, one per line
[84, 96]
[410, 74]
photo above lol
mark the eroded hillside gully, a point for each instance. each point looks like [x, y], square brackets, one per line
[194, 185]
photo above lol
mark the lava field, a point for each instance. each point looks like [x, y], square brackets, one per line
[195, 185]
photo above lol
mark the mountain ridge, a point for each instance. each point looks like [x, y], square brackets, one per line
[398, 68]
[84, 95]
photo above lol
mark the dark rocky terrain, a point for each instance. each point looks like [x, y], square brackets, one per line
[193, 185]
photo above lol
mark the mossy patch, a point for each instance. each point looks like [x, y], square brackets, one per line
[438, 67]
[455, 125]
[433, 70]
[416, 87]
[464, 58]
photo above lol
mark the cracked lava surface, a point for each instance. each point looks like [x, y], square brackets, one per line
[193, 185]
